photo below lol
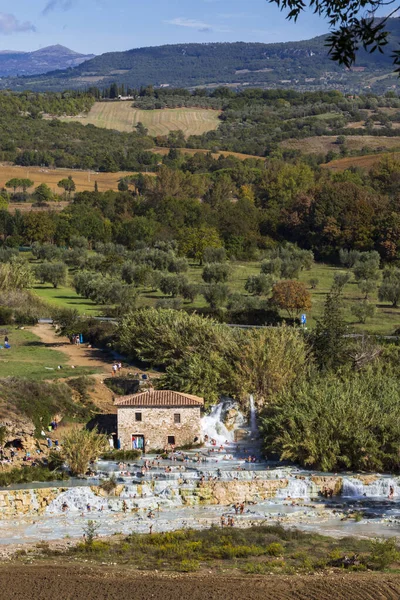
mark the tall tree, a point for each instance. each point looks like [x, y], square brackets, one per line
[330, 342]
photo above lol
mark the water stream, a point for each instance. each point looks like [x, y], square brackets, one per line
[168, 494]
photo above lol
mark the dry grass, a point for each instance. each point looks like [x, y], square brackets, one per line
[192, 151]
[325, 143]
[363, 162]
[122, 117]
[84, 180]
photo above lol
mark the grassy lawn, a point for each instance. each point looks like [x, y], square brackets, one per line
[66, 297]
[28, 357]
[385, 320]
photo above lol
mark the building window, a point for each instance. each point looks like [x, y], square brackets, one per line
[177, 418]
[138, 416]
[171, 440]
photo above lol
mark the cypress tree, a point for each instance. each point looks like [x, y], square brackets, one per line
[330, 342]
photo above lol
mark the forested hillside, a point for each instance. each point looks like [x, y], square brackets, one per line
[303, 65]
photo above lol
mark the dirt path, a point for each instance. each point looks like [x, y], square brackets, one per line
[78, 356]
[82, 356]
[67, 582]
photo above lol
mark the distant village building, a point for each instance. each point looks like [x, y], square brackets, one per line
[155, 419]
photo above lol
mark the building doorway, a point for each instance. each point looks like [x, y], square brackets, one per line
[138, 442]
[171, 440]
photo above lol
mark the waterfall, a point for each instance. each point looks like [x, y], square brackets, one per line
[353, 488]
[297, 488]
[213, 424]
[253, 416]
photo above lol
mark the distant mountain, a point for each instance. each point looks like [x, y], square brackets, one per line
[302, 65]
[40, 61]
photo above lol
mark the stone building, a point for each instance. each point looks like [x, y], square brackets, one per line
[155, 419]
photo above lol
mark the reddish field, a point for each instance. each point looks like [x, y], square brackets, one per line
[77, 582]
[363, 162]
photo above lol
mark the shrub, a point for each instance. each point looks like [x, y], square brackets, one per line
[188, 566]
[80, 447]
[214, 255]
[272, 267]
[173, 284]
[275, 549]
[313, 283]
[123, 455]
[305, 425]
[110, 484]
[216, 294]
[340, 280]
[259, 285]
[6, 315]
[363, 311]
[384, 553]
[216, 273]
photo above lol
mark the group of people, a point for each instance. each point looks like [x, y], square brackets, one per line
[116, 368]
[76, 339]
[228, 521]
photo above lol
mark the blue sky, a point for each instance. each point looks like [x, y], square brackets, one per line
[97, 26]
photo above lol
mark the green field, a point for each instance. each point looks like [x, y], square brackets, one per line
[122, 117]
[66, 297]
[385, 321]
[28, 357]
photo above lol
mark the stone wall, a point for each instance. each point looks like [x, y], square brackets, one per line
[21, 502]
[157, 424]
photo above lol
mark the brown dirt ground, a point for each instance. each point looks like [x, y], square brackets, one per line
[76, 582]
[363, 162]
[82, 356]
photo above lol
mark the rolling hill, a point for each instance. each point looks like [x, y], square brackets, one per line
[301, 65]
[40, 61]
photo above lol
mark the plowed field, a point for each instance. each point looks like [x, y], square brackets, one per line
[74, 582]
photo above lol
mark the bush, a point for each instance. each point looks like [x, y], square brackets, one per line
[188, 566]
[214, 255]
[122, 455]
[216, 294]
[384, 553]
[6, 315]
[80, 447]
[29, 474]
[363, 311]
[259, 285]
[305, 425]
[275, 549]
[216, 273]
[173, 284]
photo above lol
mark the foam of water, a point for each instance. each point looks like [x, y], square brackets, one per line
[297, 488]
[354, 488]
[77, 500]
[253, 416]
[213, 425]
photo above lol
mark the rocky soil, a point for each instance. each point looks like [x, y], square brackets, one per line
[75, 581]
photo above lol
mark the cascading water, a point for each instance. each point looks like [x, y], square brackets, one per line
[297, 488]
[253, 416]
[384, 487]
[213, 424]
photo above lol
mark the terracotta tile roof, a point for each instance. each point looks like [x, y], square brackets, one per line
[159, 398]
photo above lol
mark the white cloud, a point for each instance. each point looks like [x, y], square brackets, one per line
[10, 24]
[195, 24]
[191, 23]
